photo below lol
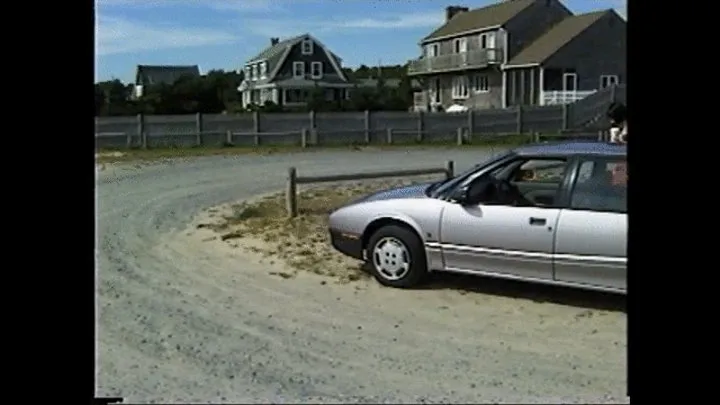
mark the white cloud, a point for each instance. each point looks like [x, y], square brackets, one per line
[117, 35]
[411, 20]
[234, 5]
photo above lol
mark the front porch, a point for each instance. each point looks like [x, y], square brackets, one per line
[537, 85]
[291, 93]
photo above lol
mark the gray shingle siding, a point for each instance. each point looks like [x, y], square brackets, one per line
[318, 55]
[599, 50]
[532, 22]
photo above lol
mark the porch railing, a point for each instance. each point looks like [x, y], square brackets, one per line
[564, 97]
[455, 61]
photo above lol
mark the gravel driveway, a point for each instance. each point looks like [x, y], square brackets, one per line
[181, 320]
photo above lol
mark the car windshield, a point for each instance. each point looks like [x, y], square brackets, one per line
[440, 187]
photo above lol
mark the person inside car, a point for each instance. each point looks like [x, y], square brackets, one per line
[617, 113]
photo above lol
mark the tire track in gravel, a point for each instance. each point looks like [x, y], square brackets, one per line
[184, 320]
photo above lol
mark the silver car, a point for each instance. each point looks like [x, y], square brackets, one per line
[545, 213]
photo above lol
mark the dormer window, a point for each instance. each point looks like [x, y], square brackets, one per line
[247, 73]
[263, 70]
[307, 47]
[253, 72]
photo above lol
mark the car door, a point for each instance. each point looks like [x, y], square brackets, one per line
[591, 236]
[500, 239]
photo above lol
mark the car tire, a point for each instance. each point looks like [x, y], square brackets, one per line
[396, 257]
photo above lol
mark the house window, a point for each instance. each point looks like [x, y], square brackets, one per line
[480, 84]
[316, 70]
[460, 87]
[253, 72]
[483, 41]
[296, 96]
[432, 50]
[460, 45]
[608, 80]
[299, 69]
[263, 70]
[307, 47]
[247, 72]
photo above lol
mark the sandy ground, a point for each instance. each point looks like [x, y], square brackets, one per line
[183, 318]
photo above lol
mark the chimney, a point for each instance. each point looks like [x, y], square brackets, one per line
[274, 41]
[452, 11]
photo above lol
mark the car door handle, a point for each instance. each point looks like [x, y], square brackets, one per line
[537, 221]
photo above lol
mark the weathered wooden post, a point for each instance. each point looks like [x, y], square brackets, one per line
[198, 129]
[565, 117]
[519, 119]
[141, 130]
[368, 126]
[449, 169]
[389, 136]
[420, 126]
[471, 125]
[459, 136]
[228, 138]
[303, 137]
[291, 193]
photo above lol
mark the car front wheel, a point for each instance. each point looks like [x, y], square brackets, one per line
[397, 257]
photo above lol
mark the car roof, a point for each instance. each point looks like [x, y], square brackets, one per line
[573, 148]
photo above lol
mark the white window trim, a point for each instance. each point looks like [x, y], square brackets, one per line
[475, 83]
[295, 69]
[432, 50]
[248, 72]
[457, 43]
[312, 70]
[480, 41]
[309, 43]
[616, 78]
[263, 70]
[460, 83]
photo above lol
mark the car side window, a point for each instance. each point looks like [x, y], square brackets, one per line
[601, 185]
[527, 183]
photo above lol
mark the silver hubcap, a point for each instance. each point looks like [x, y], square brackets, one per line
[391, 258]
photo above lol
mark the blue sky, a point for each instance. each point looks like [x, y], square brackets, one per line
[221, 34]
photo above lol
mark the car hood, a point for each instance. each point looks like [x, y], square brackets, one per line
[414, 191]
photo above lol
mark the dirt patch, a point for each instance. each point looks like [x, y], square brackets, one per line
[262, 226]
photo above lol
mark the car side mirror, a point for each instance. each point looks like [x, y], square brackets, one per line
[473, 193]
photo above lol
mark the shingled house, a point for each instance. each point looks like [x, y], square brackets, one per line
[287, 71]
[519, 52]
[148, 75]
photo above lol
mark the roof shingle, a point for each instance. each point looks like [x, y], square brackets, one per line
[168, 74]
[556, 37]
[488, 16]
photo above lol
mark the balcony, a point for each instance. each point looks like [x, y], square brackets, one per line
[455, 61]
[563, 97]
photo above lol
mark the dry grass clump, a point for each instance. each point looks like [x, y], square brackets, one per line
[302, 242]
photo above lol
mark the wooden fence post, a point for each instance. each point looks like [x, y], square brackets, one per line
[128, 141]
[256, 121]
[389, 136]
[291, 193]
[256, 139]
[471, 125]
[311, 117]
[303, 137]
[141, 130]
[519, 119]
[420, 126]
[449, 169]
[228, 138]
[460, 136]
[565, 117]
[368, 126]
[198, 129]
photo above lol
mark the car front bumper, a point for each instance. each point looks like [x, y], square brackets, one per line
[347, 243]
